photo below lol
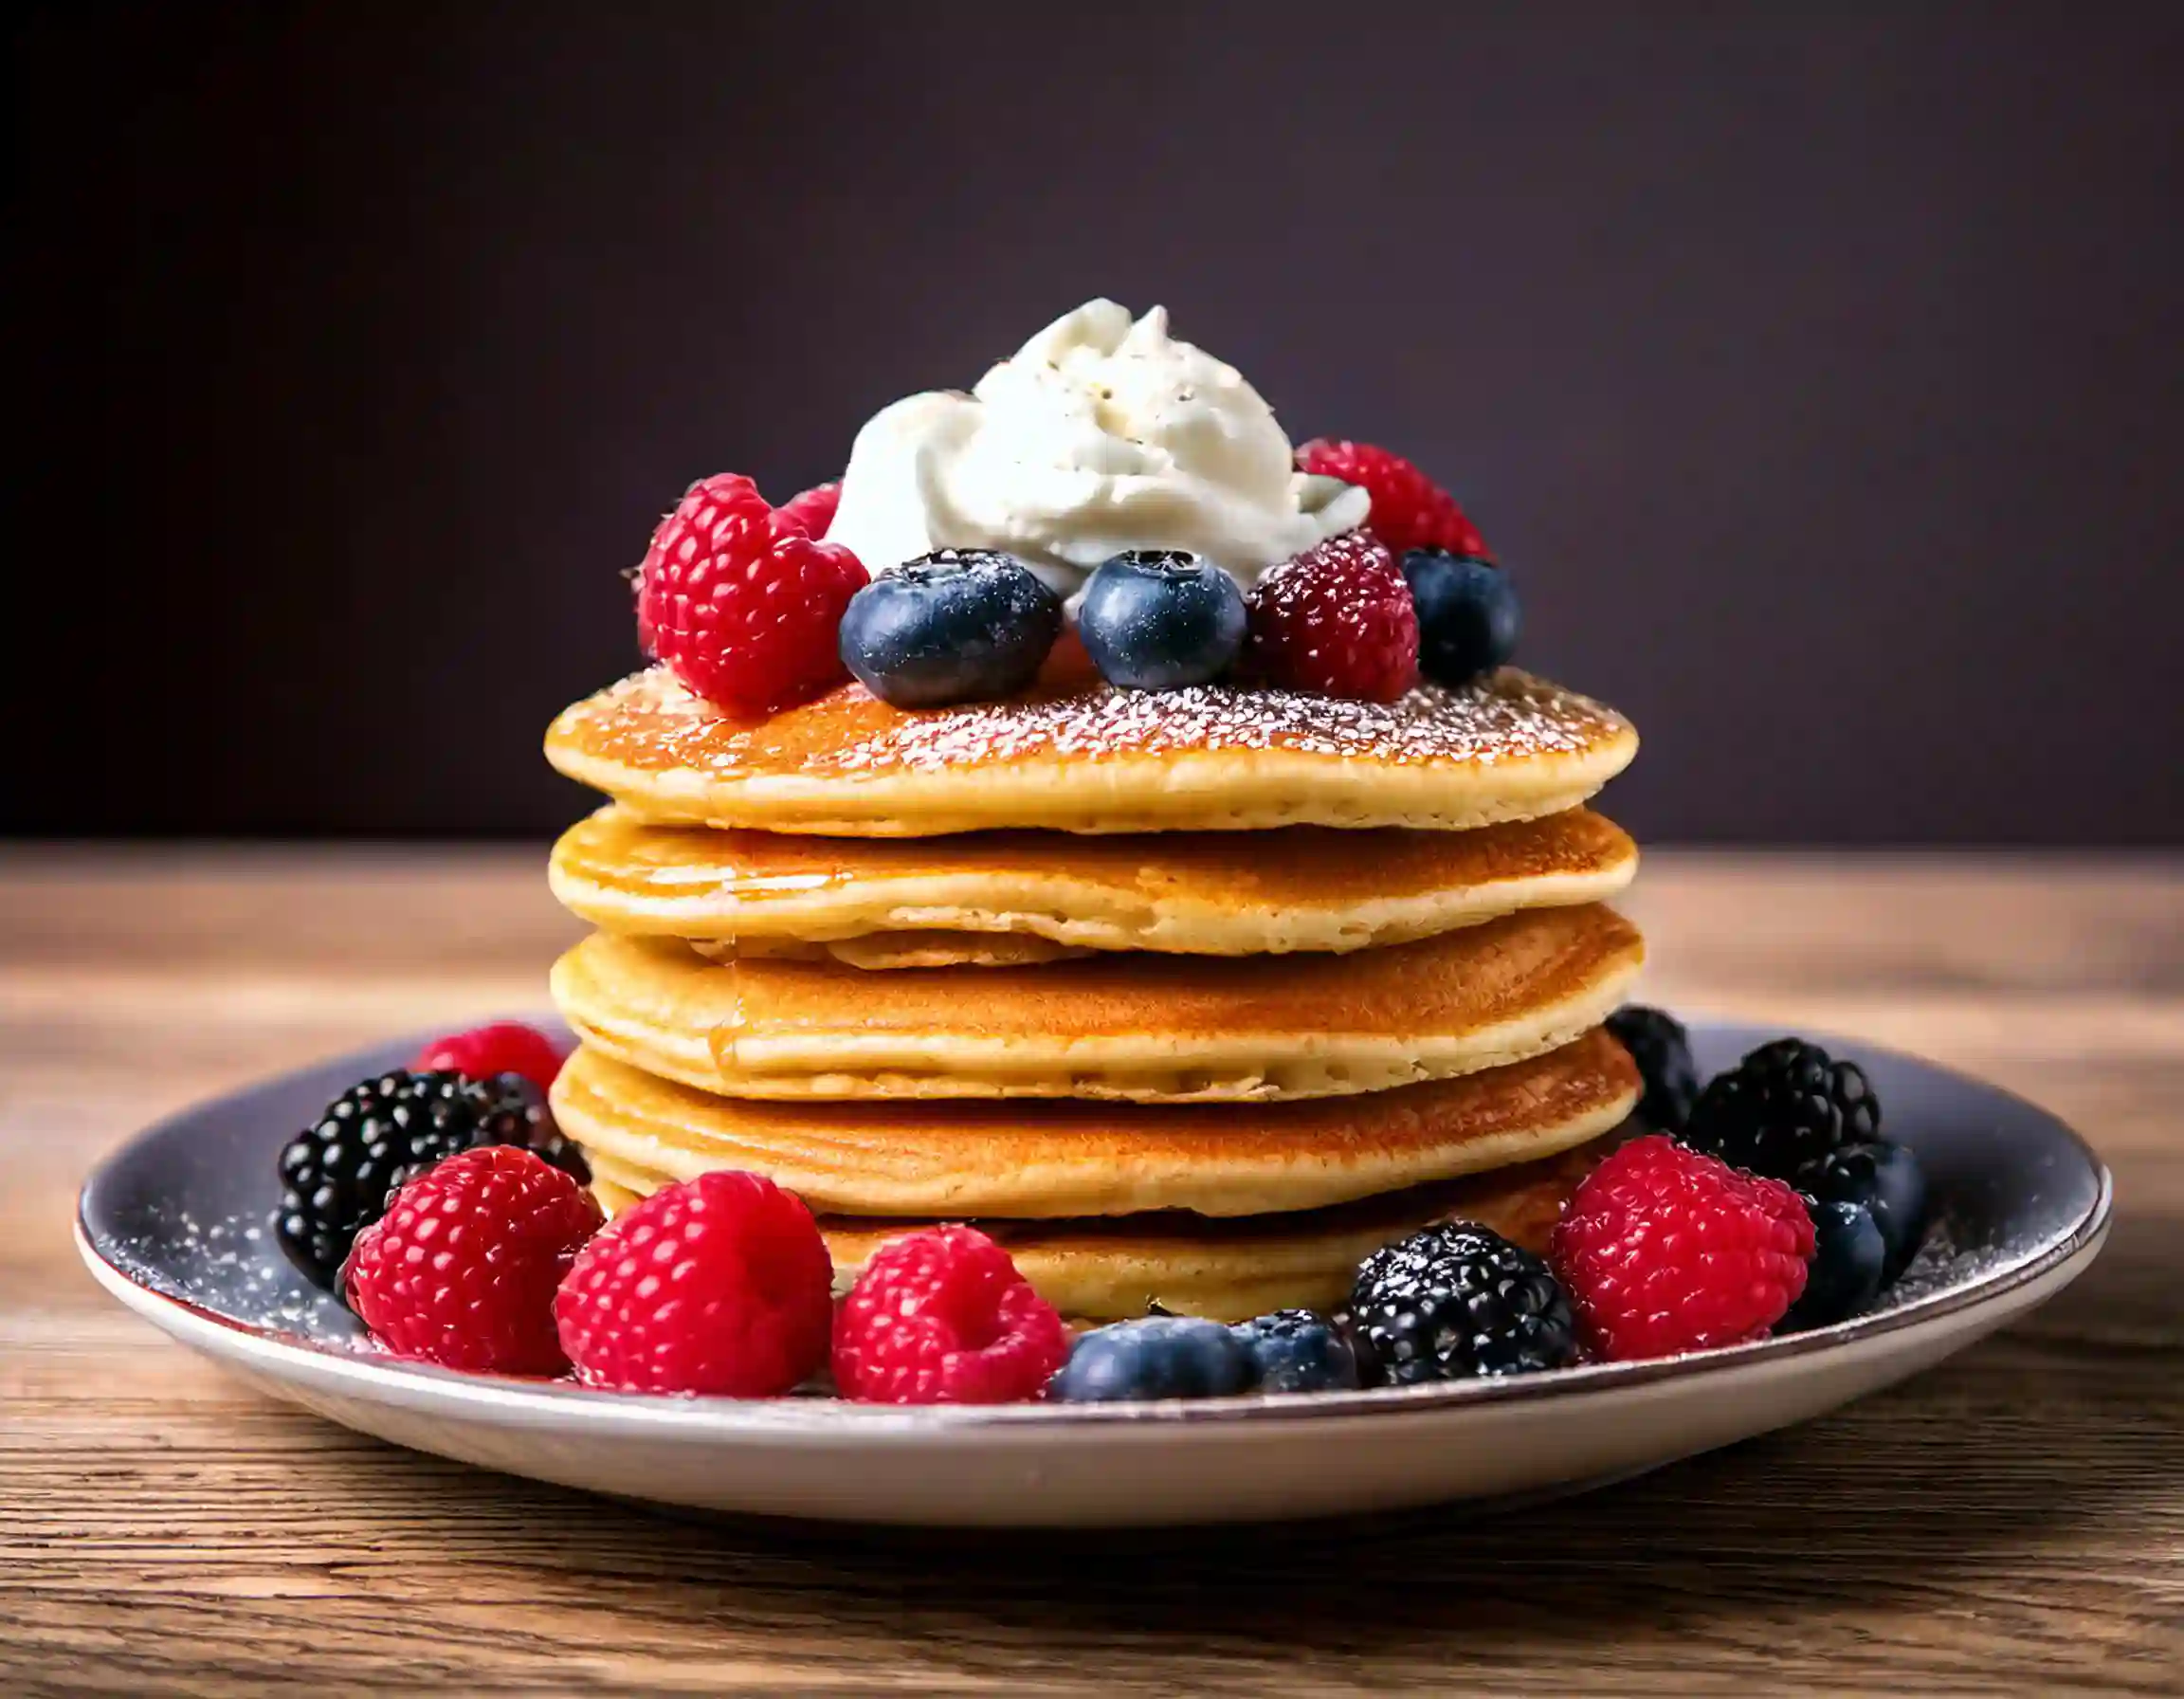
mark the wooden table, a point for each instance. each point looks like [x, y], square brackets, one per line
[2013, 1520]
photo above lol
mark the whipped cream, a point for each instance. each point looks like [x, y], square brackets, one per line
[1100, 434]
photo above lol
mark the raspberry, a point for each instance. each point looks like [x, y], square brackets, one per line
[812, 512]
[1410, 510]
[1338, 620]
[718, 1285]
[741, 602]
[462, 1268]
[942, 1316]
[1664, 1249]
[504, 1047]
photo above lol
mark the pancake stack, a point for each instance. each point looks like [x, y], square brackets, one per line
[1190, 997]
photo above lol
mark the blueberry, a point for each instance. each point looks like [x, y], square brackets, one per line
[1295, 1350]
[1157, 619]
[1886, 1179]
[958, 625]
[1468, 614]
[1848, 1255]
[1166, 1356]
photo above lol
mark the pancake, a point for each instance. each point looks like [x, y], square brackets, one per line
[915, 903]
[1085, 1158]
[1103, 1271]
[1075, 754]
[1135, 1027]
[881, 951]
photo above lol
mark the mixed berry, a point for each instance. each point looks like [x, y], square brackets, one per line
[1665, 1248]
[958, 625]
[719, 1286]
[1162, 1356]
[462, 1268]
[451, 1217]
[742, 602]
[1659, 1044]
[1160, 619]
[1410, 510]
[943, 1316]
[1454, 1301]
[1337, 620]
[337, 1174]
[1468, 621]
[1784, 1110]
[751, 606]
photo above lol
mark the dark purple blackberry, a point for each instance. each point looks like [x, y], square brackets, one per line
[1453, 1302]
[1785, 1108]
[337, 1174]
[1661, 1049]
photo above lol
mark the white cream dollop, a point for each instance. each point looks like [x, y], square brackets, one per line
[1100, 434]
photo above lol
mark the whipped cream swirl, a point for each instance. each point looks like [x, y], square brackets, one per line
[1101, 433]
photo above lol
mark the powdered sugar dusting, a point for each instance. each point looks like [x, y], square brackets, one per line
[652, 720]
[228, 1265]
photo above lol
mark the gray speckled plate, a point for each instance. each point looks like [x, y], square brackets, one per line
[174, 1224]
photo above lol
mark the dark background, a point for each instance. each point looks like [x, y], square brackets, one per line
[1820, 369]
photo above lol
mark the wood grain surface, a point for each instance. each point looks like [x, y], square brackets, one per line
[2013, 1521]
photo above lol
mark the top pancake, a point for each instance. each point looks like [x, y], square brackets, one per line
[1075, 754]
[1305, 887]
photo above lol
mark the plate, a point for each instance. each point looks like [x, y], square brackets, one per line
[175, 1225]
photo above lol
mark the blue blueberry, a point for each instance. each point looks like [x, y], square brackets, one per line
[1468, 619]
[1886, 1179]
[1296, 1350]
[1165, 1357]
[1844, 1278]
[1157, 619]
[959, 625]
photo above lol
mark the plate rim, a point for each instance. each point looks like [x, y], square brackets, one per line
[287, 1359]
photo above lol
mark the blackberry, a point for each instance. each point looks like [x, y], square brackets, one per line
[1296, 1350]
[1661, 1049]
[1784, 1110]
[1457, 1301]
[337, 1174]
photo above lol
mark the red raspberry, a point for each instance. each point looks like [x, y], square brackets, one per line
[1410, 510]
[1335, 619]
[719, 1286]
[1665, 1250]
[942, 1316]
[462, 1268]
[814, 511]
[504, 1047]
[741, 602]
